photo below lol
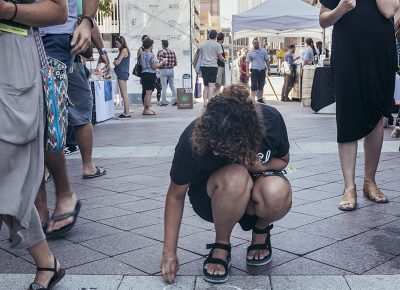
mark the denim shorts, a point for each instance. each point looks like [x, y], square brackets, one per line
[58, 46]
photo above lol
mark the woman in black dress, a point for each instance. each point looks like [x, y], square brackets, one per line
[364, 78]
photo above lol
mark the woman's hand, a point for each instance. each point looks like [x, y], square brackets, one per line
[347, 5]
[169, 267]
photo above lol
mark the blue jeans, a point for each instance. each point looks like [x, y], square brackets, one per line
[167, 77]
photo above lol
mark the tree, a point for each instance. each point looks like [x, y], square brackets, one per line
[105, 7]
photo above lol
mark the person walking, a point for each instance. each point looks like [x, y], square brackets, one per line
[289, 73]
[122, 71]
[229, 161]
[258, 65]
[211, 52]
[363, 96]
[167, 75]
[221, 64]
[22, 132]
[149, 64]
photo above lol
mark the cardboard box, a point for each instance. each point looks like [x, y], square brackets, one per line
[184, 98]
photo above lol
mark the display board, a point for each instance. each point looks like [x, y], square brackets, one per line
[160, 19]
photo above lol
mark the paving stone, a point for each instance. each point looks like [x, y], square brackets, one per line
[156, 283]
[16, 281]
[392, 227]
[297, 202]
[314, 194]
[150, 258]
[302, 266]
[119, 243]
[307, 183]
[197, 243]
[278, 258]
[299, 243]
[115, 198]
[365, 218]
[294, 220]
[351, 256]
[89, 231]
[132, 221]
[93, 193]
[98, 282]
[391, 208]
[196, 221]
[5, 255]
[391, 267]
[309, 283]
[108, 266]
[323, 208]
[141, 205]
[16, 265]
[102, 213]
[373, 282]
[391, 186]
[159, 213]
[195, 268]
[156, 232]
[73, 255]
[243, 283]
[121, 188]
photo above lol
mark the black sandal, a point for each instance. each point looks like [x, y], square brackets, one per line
[210, 260]
[58, 275]
[57, 218]
[266, 246]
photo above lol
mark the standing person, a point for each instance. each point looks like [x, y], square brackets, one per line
[244, 76]
[167, 74]
[363, 97]
[258, 60]
[319, 48]
[139, 52]
[122, 71]
[62, 42]
[158, 80]
[149, 64]
[235, 67]
[309, 53]
[211, 52]
[22, 133]
[221, 64]
[229, 162]
[289, 73]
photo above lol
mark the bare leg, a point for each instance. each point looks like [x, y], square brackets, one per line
[84, 138]
[41, 203]
[147, 101]
[254, 95]
[261, 94]
[66, 198]
[372, 148]
[205, 95]
[229, 190]
[348, 156]
[123, 87]
[44, 259]
[271, 200]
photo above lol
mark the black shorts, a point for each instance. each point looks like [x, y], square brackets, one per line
[149, 81]
[201, 201]
[209, 75]
[258, 79]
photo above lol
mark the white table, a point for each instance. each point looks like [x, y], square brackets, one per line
[104, 92]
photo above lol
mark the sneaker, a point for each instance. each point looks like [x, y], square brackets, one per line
[261, 101]
[174, 104]
[71, 149]
[164, 104]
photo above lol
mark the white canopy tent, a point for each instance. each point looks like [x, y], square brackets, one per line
[285, 18]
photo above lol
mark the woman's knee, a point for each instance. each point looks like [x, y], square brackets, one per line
[274, 196]
[232, 181]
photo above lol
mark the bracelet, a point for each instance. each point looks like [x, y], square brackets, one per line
[15, 12]
[90, 19]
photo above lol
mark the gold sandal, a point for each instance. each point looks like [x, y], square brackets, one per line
[373, 193]
[349, 201]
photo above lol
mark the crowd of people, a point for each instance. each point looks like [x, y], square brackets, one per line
[230, 161]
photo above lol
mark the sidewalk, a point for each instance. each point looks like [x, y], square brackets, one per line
[120, 229]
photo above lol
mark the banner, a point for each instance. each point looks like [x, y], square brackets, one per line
[161, 20]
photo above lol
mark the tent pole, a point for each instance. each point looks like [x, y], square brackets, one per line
[232, 56]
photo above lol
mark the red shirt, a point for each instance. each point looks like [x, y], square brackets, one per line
[243, 69]
[171, 58]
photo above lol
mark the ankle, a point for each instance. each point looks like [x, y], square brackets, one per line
[369, 180]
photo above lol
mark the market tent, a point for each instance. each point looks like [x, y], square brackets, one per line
[284, 18]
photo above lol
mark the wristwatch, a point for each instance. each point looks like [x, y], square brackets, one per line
[88, 18]
[102, 51]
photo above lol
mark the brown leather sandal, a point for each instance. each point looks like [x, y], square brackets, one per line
[373, 193]
[349, 200]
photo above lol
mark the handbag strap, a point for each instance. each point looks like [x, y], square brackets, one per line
[42, 52]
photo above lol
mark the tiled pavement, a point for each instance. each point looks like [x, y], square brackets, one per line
[120, 230]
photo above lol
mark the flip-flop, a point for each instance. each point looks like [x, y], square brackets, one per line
[64, 216]
[149, 114]
[99, 172]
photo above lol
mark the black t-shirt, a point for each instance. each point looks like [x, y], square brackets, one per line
[187, 167]
[221, 63]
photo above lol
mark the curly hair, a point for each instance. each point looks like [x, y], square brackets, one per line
[231, 126]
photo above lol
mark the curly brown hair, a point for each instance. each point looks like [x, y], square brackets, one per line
[231, 126]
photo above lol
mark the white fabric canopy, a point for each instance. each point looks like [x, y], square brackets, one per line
[286, 18]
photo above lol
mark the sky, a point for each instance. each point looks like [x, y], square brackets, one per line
[228, 7]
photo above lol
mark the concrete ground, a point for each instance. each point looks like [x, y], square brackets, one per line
[117, 241]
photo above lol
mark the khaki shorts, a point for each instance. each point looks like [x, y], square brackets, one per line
[221, 76]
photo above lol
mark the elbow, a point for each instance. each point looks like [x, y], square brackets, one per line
[323, 23]
[63, 17]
